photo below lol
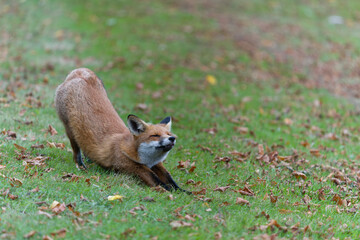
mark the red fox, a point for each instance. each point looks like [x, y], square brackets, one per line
[93, 126]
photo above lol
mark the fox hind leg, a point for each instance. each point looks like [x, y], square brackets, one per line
[76, 152]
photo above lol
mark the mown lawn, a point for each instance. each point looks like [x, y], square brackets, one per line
[266, 150]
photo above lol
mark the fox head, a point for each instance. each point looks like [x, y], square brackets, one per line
[153, 141]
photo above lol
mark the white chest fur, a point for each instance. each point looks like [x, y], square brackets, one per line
[150, 155]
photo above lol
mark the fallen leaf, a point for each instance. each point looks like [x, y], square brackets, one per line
[315, 152]
[299, 175]
[115, 197]
[273, 199]
[141, 208]
[128, 232]
[201, 192]
[45, 213]
[14, 182]
[221, 189]
[46, 237]
[60, 233]
[12, 197]
[57, 207]
[242, 201]
[30, 234]
[52, 130]
[11, 134]
[211, 79]
[19, 147]
[339, 201]
[217, 235]
[288, 121]
[246, 191]
[178, 224]
[38, 146]
[148, 199]
[241, 130]
[285, 211]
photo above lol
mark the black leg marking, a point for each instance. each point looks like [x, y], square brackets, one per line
[175, 187]
[160, 183]
[79, 160]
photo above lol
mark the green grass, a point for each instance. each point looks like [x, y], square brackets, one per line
[170, 49]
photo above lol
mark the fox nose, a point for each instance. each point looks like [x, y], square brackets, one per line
[172, 139]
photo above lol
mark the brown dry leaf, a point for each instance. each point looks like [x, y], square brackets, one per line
[336, 181]
[273, 199]
[128, 232]
[299, 175]
[305, 143]
[156, 95]
[192, 167]
[57, 207]
[19, 147]
[14, 182]
[60, 233]
[246, 191]
[217, 235]
[37, 161]
[141, 208]
[139, 86]
[190, 218]
[71, 209]
[261, 150]
[148, 199]
[30, 234]
[60, 145]
[201, 192]
[276, 224]
[306, 199]
[183, 164]
[46, 237]
[321, 193]
[285, 211]
[339, 201]
[55, 145]
[45, 213]
[11, 135]
[142, 107]
[242, 201]
[37, 146]
[12, 197]
[315, 152]
[221, 189]
[284, 158]
[331, 136]
[178, 224]
[52, 130]
[51, 144]
[159, 189]
[288, 121]
[295, 227]
[242, 130]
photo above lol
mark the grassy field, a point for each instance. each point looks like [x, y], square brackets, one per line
[263, 98]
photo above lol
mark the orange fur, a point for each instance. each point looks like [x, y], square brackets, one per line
[94, 127]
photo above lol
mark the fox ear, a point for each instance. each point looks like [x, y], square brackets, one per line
[167, 122]
[136, 125]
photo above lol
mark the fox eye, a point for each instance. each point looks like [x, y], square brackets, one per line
[155, 135]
